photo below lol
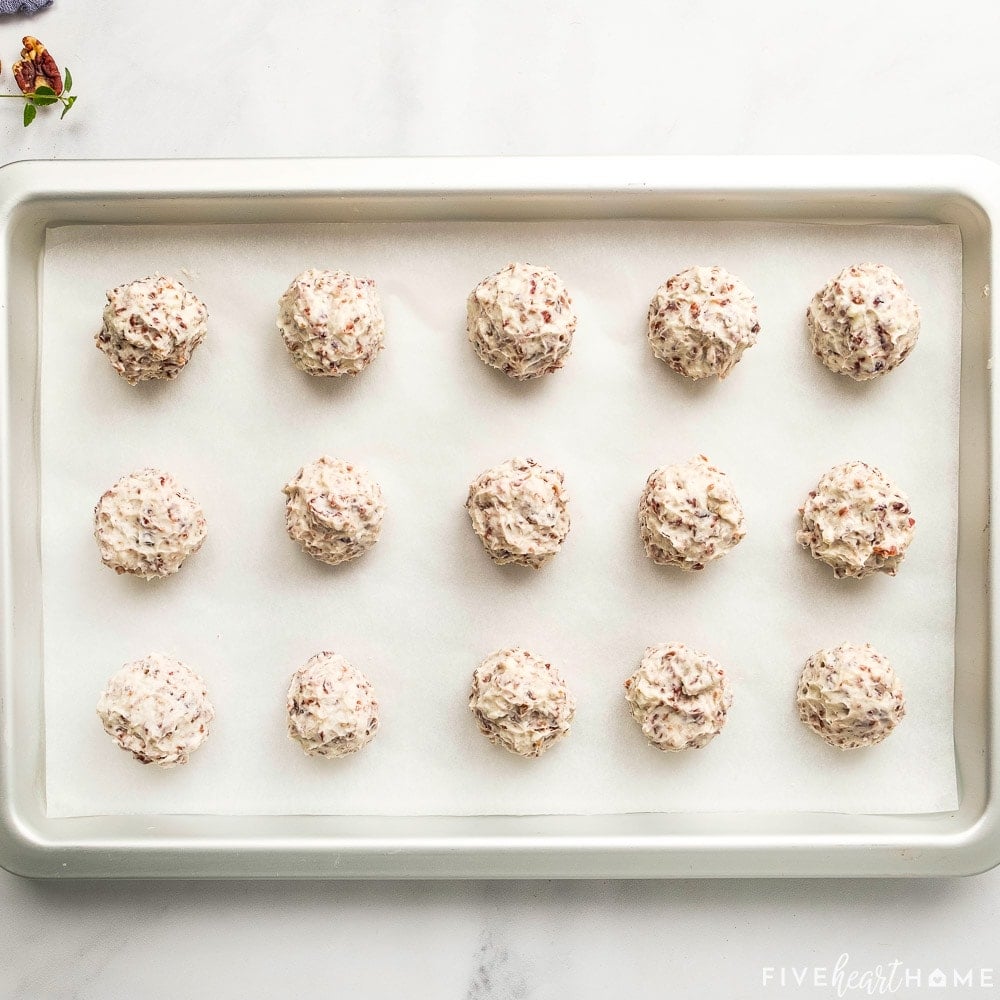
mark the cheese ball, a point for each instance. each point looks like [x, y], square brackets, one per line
[518, 510]
[850, 696]
[333, 510]
[863, 323]
[151, 328]
[332, 711]
[701, 321]
[147, 525]
[689, 515]
[521, 320]
[331, 322]
[856, 521]
[157, 709]
[520, 702]
[679, 697]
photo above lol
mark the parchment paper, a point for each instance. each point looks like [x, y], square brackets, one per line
[419, 611]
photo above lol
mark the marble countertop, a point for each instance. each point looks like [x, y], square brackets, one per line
[383, 79]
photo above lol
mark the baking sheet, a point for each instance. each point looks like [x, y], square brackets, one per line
[420, 610]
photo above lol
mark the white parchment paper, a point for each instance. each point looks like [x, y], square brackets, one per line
[419, 611]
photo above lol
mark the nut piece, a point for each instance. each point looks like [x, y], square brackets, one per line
[518, 510]
[679, 697]
[689, 515]
[862, 323]
[850, 696]
[36, 68]
[521, 320]
[520, 702]
[157, 709]
[151, 328]
[701, 321]
[857, 521]
[334, 510]
[331, 322]
[147, 524]
[332, 711]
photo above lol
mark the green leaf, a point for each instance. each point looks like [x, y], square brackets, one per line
[67, 81]
[29, 114]
[44, 91]
[70, 101]
[40, 99]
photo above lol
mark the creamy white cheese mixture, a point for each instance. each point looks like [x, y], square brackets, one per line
[689, 515]
[147, 524]
[151, 328]
[857, 521]
[331, 322]
[850, 695]
[334, 510]
[679, 696]
[863, 323]
[519, 511]
[521, 320]
[520, 702]
[332, 710]
[701, 321]
[157, 709]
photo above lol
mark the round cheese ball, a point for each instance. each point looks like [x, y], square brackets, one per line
[679, 697]
[331, 322]
[157, 709]
[151, 328]
[862, 323]
[689, 515]
[334, 510]
[521, 320]
[857, 521]
[520, 702]
[518, 510]
[332, 711]
[701, 321]
[850, 696]
[147, 524]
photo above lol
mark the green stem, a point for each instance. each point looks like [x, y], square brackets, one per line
[60, 98]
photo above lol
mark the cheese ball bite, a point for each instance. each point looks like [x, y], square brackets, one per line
[850, 696]
[521, 321]
[689, 515]
[151, 328]
[519, 511]
[157, 709]
[333, 510]
[147, 525]
[331, 322]
[863, 323]
[520, 702]
[679, 697]
[701, 321]
[857, 521]
[331, 706]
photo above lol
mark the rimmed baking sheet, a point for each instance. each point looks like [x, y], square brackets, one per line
[420, 610]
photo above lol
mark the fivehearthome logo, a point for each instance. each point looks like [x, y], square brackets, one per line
[844, 979]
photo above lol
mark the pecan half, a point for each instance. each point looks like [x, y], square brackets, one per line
[36, 68]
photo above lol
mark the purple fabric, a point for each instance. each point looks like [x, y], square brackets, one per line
[22, 6]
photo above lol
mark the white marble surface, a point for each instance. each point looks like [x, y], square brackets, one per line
[191, 78]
